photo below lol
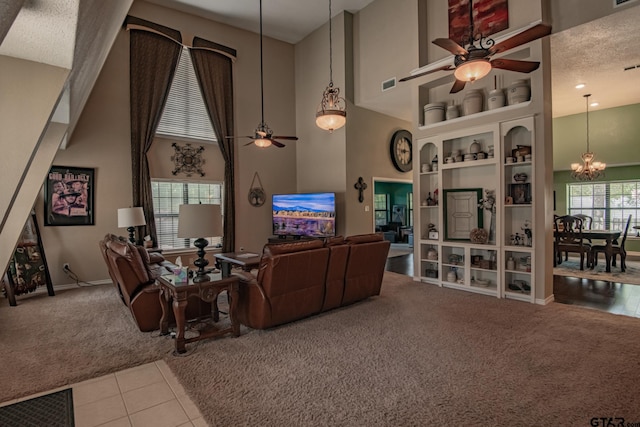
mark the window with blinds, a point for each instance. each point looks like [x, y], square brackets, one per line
[608, 203]
[381, 207]
[168, 196]
[184, 114]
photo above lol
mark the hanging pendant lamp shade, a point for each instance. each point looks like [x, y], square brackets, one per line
[589, 170]
[331, 112]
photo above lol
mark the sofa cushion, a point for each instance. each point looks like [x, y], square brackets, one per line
[364, 238]
[333, 241]
[286, 248]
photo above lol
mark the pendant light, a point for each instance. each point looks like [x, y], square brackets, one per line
[588, 170]
[331, 113]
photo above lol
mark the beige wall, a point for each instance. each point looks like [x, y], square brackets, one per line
[30, 93]
[569, 13]
[101, 140]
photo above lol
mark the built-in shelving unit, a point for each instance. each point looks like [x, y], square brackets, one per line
[503, 265]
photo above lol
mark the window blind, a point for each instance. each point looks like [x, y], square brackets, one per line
[185, 114]
[167, 198]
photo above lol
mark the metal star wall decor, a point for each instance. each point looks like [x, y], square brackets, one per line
[187, 159]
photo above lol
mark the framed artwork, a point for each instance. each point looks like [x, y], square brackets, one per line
[398, 214]
[489, 17]
[28, 266]
[462, 212]
[69, 194]
[521, 193]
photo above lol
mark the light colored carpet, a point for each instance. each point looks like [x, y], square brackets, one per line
[415, 355]
[571, 268]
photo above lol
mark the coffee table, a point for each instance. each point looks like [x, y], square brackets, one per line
[246, 260]
[179, 292]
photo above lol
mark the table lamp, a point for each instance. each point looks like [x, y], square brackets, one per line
[130, 218]
[195, 221]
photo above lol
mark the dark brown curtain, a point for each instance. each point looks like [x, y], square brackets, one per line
[213, 66]
[153, 61]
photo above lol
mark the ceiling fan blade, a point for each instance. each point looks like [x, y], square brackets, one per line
[526, 36]
[294, 138]
[236, 137]
[277, 144]
[515, 65]
[249, 143]
[457, 86]
[443, 68]
[451, 46]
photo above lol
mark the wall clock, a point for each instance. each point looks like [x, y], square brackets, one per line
[401, 150]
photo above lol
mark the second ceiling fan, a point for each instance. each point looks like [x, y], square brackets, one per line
[473, 62]
[263, 135]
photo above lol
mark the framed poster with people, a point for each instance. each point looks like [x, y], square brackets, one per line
[69, 194]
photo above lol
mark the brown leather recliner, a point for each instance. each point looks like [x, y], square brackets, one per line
[290, 285]
[365, 266]
[133, 271]
[297, 280]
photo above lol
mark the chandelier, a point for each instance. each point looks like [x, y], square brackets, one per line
[331, 114]
[588, 170]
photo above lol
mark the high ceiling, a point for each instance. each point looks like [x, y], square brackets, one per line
[595, 53]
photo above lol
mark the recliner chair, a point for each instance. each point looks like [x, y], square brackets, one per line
[133, 271]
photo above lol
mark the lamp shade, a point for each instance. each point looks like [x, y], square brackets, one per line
[131, 217]
[196, 221]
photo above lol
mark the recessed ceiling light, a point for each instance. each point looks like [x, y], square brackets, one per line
[594, 104]
[580, 86]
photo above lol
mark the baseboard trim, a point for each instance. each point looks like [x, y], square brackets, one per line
[67, 286]
[548, 300]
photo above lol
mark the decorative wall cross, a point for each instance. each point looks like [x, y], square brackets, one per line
[187, 159]
[360, 186]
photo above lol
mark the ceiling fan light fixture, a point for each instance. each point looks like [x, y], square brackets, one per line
[262, 142]
[472, 70]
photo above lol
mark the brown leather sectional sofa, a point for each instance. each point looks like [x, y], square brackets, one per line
[301, 279]
[133, 271]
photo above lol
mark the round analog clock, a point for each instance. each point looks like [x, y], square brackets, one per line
[401, 151]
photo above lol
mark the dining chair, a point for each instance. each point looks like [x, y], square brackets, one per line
[618, 249]
[586, 225]
[568, 238]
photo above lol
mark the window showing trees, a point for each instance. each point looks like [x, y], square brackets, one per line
[608, 203]
[168, 196]
[382, 209]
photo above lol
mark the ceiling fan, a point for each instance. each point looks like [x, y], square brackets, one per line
[473, 62]
[263, 135]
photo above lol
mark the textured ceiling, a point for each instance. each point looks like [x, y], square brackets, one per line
[596, 54]
[44, 31]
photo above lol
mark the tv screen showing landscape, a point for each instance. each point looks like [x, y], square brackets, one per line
[306, 214]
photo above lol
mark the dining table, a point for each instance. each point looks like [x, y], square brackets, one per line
[609, 236]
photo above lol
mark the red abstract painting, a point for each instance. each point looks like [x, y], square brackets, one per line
[489, 17]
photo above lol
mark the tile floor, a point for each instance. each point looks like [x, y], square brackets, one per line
[145, 396]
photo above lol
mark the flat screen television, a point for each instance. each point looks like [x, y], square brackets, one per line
[304, 214]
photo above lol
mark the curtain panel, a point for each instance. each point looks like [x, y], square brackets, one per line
[153, 60]
[214, 72]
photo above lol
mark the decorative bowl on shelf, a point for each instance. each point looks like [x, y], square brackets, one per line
[479, 235]
[480, 282]
[520, 177]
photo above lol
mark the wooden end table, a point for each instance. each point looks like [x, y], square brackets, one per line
[179, 293]
[245, 260]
